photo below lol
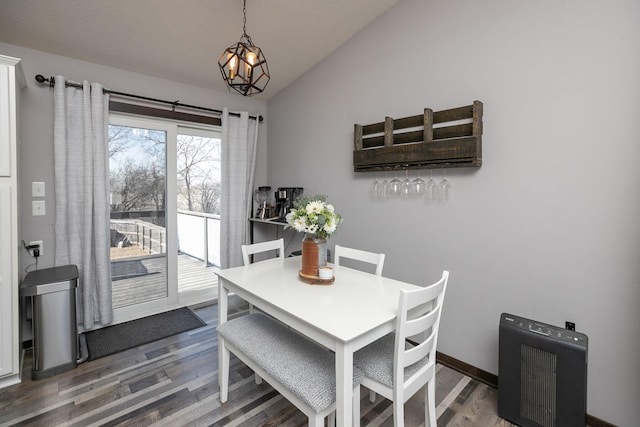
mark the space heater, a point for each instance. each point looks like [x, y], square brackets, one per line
[542, 378]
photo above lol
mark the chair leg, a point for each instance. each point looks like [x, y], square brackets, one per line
[331, 421]
[258, 379]
[372, 396]
[430, 404]
[223, 371]
[398, 413]
[251, 310]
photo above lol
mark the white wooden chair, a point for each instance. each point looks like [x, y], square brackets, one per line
[261, 247]
[360, 255]
[396, 369]
[363, 256]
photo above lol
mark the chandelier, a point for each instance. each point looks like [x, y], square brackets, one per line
[243, 65]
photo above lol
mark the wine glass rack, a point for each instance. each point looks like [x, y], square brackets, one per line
[435, 139]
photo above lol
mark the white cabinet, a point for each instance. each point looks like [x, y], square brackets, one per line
[5, 122]
[11, 80]
[7, 288]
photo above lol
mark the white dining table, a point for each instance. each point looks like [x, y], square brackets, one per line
[353, 311]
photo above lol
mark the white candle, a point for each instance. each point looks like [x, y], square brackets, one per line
[325, 273]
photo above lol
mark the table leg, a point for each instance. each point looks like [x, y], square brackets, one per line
[344, 385]
[223, 362]
[223, 302]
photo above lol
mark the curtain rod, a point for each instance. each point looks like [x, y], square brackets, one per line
[52, 82]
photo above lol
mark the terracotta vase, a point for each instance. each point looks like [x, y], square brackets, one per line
[314, 255]
[309, 257]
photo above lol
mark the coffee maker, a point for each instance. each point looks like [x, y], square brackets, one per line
[285, 196]
[262, 197]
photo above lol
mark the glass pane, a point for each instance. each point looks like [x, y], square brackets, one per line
[198, 188]
[137, 164]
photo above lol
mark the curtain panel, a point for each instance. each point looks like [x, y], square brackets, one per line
[81, 120]
[239, 142]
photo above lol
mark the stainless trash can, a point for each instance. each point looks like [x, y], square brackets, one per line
[55, 331]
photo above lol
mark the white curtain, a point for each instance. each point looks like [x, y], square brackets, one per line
[81, 183]
[239, 141]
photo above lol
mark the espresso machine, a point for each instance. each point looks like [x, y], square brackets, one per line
[285, 196]
[262, 197]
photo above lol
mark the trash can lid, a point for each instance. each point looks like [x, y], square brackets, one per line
[50, 280]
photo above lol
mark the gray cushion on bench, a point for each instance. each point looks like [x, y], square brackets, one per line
[300, 365]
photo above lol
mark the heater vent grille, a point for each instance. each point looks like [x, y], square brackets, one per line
[538, 385]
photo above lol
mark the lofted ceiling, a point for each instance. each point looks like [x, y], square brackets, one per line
[182, 40]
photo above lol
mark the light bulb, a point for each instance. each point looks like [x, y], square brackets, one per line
[251, 59]
[233, 59]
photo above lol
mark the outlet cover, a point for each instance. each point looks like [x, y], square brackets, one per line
[39, 243]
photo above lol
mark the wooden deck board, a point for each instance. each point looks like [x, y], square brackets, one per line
[148, 280]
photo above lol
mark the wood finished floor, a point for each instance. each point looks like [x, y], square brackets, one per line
[173, 382]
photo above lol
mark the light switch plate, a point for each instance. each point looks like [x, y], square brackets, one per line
[37, 189]
[38, 208]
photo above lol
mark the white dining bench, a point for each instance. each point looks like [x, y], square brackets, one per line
[302, 371]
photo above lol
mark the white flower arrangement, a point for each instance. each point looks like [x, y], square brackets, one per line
[314, 216]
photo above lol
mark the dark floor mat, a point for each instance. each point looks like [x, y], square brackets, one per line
[113, 339]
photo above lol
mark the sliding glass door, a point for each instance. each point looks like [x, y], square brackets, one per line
[165, 214]
[143, 219]
[198, 187]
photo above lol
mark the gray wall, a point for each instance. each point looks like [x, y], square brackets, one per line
[36, 116]
[548, 227]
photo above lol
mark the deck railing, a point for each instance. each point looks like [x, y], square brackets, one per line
[148, 236]
[198, 235]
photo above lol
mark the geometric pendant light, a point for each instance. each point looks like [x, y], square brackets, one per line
[243, 65]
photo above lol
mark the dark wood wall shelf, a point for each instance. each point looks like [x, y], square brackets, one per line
[435, 139]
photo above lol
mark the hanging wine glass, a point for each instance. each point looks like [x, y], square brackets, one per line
[445, 187]
[418, 185]
[380, 194]
[375, 187]
[406, 184]
[395, 184]
[385, 187]
[431, 188]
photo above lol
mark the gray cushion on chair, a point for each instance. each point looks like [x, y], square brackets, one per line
[376, 361]
[303, 367]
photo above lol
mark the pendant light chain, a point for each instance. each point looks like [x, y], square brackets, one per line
[245, 36]
[244, 14]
